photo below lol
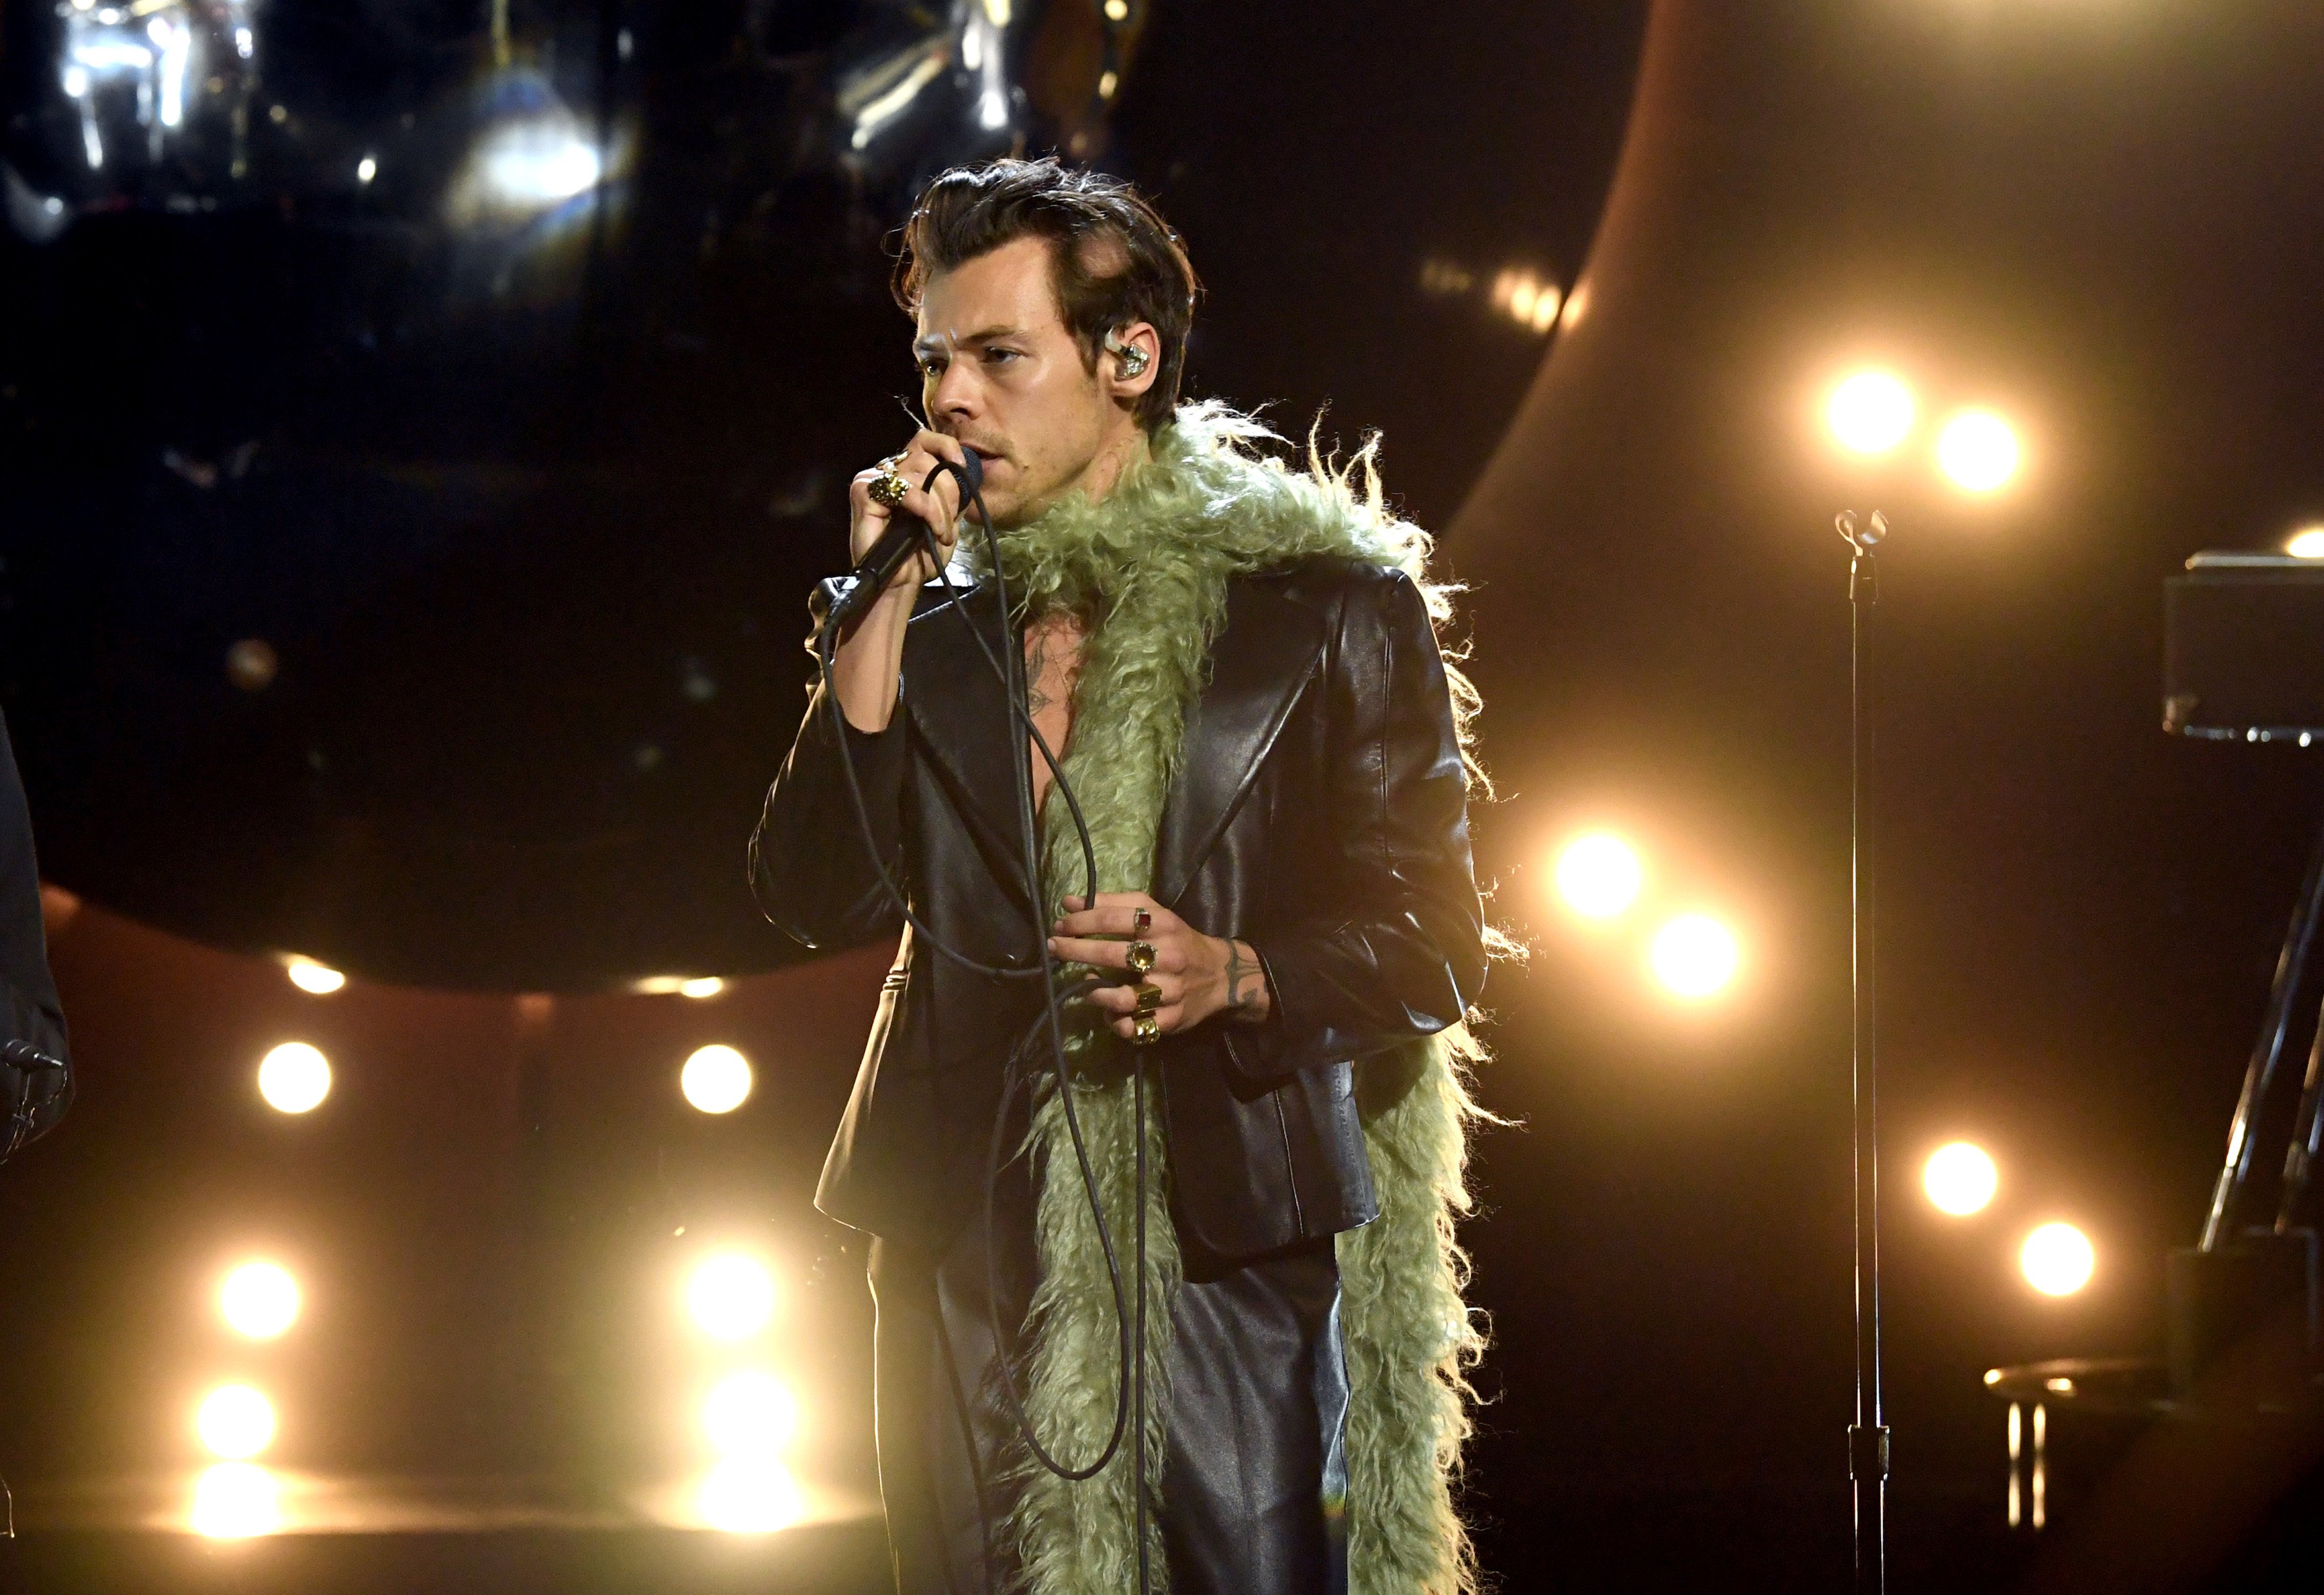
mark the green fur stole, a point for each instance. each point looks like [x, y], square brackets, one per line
[1145, 570]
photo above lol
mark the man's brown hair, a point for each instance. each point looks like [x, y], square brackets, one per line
[1112, 259]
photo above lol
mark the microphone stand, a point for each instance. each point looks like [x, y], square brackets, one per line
[1868, 1437]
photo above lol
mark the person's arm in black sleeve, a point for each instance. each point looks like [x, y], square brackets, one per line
[1405, 958]
[28, 992]
[810, 869]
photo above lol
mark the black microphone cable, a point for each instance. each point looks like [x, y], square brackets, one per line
[1008, 665]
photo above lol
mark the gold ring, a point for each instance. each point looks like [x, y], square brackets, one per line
[1150, 998]
[1140, 922]
[1149, 1030]
[888, 488]
[1139, 956]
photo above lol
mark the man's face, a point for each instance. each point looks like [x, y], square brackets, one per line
[999, 371]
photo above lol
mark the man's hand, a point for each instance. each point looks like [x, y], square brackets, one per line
[938, 509]
[1196, 976]
[870, 661]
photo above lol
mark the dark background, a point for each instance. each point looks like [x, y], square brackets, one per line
[2101, 223]
[2096, 219]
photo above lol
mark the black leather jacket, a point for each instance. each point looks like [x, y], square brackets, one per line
[1319, 814]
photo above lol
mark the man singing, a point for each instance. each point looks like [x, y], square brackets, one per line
[1236, 665]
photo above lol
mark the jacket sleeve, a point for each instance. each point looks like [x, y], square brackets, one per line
[811, 869]
[1404, 955]
[29, 1009]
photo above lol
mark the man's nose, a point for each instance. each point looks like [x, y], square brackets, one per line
[956, 392]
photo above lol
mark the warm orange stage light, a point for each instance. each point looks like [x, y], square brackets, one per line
[1960, 1179]
[1871, 412]
[1599, 875]
[2058, 1259]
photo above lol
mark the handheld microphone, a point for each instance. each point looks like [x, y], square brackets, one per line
[882, 560]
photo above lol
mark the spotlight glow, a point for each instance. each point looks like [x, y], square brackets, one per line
[716, 1079]
[235, 1421]
[1528, 300]
[315, 979]
[1960, 1179]
[1871, 412]
[294, 1078]
[1694, 955]
[732, 1296]
[235, 1501]
[1977, 452]
[534, 164]
[260, 1299]
[751, 1499]
[701, 986]
[750, 1414]
[2307, 543]
[2057, 1260]
[1599, 875]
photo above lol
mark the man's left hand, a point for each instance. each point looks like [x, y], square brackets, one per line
[1195, 975]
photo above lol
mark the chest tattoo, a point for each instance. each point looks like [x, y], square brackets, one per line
[1053, 663]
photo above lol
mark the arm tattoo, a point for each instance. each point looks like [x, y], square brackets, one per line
[1239, 970]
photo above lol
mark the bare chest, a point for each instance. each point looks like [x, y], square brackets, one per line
[1053, 664]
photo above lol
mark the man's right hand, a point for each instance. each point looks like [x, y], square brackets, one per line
[937, 508]
[869, 665]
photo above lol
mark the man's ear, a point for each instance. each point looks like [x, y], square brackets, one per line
[1133, 360]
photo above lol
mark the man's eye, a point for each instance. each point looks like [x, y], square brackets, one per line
[931, 369]
[997, 356]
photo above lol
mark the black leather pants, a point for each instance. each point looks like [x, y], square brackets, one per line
[1252, 1490]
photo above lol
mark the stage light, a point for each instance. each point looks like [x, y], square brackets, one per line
[1960, 1178]
[1977, 452]
[752, 1497]
[750, 1414]
[732, 1296]
[1871, 412]
[535, 163]
[1599, 875]
[891, 102]
[1694, 955]
[366, 168]
[260, 1299]
[716, 1079]
[235, 1501]
[294, 1077]
[2057, 1260]
[1442, 278]
[701, 986]
[315, 979]
[235, 1421]
[1527, 298]
[2307, 543]
[252, 664]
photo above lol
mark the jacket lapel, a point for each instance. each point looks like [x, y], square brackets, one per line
[1265, 656]
[957, 707]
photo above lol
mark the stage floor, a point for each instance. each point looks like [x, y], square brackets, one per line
[509, 1536]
